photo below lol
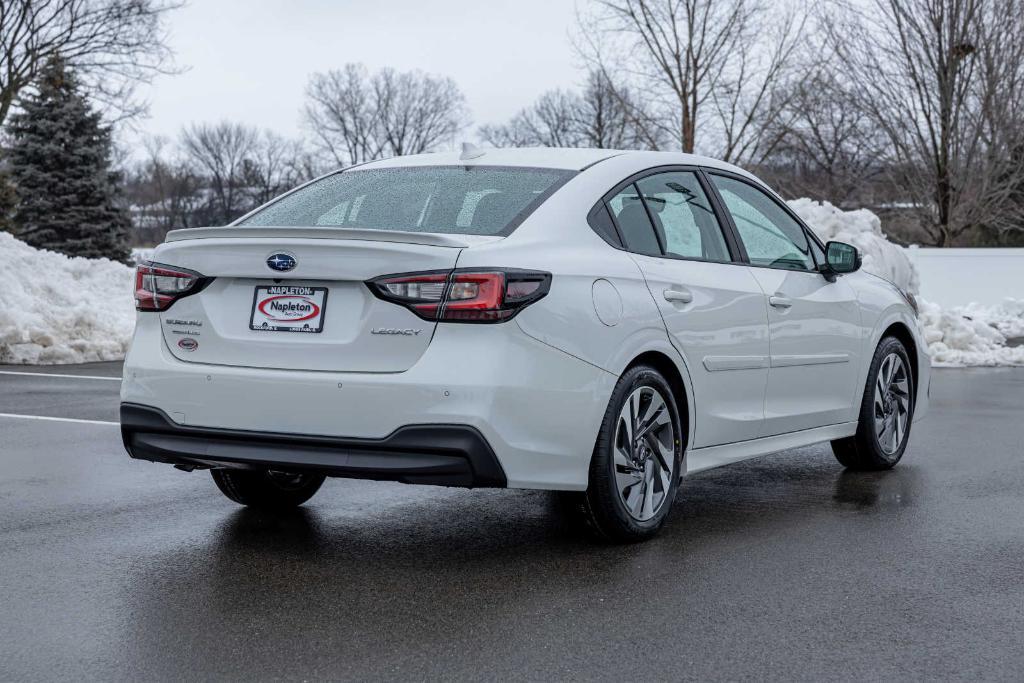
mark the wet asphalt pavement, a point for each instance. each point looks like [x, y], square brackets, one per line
[784, 567]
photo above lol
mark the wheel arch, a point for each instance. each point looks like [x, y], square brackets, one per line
[678, 379]
[898, 323]
[900, 331]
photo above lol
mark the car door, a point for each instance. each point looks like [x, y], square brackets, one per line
[713, 308]
[814, 320]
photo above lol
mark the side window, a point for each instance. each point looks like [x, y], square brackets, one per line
[683, 216]
[634, 224]
[601, 222]
[770, 236]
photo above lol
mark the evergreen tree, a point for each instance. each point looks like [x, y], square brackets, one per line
[8, 199]
[59, 162]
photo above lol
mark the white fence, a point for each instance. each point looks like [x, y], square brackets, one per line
[954, 277]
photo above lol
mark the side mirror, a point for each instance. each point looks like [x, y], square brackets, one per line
[841, 257]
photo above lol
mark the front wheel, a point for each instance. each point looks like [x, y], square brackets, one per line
[267, 488]
[886, 413]
[635, 468]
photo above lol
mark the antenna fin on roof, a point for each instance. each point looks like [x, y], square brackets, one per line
[470, 151]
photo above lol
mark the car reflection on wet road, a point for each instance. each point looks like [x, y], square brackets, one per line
[783, 567]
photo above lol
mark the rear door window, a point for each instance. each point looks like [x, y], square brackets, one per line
[683, 216]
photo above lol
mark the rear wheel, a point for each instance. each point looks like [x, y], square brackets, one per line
[886, 413]
[634, 471]
[267, 488]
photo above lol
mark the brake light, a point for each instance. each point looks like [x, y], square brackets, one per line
[469, 296]
[158, 286]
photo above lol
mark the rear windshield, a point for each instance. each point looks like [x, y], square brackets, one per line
[482, 200]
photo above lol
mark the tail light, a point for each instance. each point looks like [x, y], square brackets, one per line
[158, 286]
[468, 296]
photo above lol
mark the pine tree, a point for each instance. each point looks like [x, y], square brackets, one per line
[8, 200]
[59, 161]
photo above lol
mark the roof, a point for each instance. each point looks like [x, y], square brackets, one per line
[570, 158]
[539, 157]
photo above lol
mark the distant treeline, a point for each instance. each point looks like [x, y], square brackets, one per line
[912, 108]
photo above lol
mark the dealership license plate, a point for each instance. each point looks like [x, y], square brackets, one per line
[288, 309]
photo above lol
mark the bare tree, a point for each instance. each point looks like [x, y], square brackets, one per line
[550, 122]
[216, 174]
[355, 116]
[602, 116]
[342, 116]
[111, 44]
[417, 112]
[220, 152]
[273, 166]
[1001, 93]
[944, 81]
[709, 69]
[612, 116]
[163, 192]
[753, 90]
[827, 147]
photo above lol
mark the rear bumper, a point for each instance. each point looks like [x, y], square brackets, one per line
[538, 409]
[443, 455]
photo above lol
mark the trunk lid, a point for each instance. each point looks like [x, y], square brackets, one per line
[359, 332]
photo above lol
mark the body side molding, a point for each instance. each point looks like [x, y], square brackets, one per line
[718, 363]
[809, 359]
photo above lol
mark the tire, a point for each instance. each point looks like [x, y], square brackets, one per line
[266, 489]
[627, 500]
[886, 412]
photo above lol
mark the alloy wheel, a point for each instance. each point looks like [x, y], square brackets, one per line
[645, 442]
[892, 403]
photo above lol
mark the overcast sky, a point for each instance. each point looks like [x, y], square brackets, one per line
[249, 60]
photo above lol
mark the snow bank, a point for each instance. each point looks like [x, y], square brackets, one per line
[56, 309]
[974, 334]
[862, 229]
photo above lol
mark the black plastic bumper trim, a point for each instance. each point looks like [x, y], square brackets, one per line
[443, 455]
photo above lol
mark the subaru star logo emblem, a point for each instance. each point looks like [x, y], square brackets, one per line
[281, 262]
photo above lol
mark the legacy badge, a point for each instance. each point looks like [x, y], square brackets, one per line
[408, 332]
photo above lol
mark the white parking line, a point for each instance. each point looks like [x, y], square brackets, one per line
[59, 419]
[54, 374]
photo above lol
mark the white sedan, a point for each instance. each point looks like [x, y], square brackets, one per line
[594, 322]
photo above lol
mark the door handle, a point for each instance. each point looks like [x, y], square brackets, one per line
[780, 301]
[681, 296]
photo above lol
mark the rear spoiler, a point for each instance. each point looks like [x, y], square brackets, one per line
[433, 239]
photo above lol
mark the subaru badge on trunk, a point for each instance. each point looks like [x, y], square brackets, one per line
[281, 262]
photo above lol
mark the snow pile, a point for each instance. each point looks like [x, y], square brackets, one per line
[1007, 317]
[862, 229]
[974, 334]
[56, 309]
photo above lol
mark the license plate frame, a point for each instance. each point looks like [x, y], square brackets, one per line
[292, 299]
